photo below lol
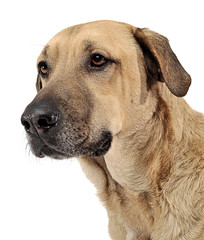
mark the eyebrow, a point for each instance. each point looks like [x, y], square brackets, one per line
[44, 52]
[89, 45]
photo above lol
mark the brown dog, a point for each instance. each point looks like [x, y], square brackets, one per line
[109, 94]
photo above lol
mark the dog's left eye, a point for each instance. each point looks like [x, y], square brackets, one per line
[43, 69]
[98, 60]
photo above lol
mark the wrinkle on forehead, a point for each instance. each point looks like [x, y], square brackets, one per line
[104, 35]
[97, 29]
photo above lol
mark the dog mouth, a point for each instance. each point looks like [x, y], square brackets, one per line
[63, 150]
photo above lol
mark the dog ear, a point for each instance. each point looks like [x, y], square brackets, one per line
[161, 62]
[38, 84]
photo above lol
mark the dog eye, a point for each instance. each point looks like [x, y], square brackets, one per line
[43, 69]
[98, 61]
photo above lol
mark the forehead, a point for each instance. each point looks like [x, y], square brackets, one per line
[107, 35]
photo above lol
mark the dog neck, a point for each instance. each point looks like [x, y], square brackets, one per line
[146, 143]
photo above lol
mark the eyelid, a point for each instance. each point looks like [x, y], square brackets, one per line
[109, 57]
[101, 52]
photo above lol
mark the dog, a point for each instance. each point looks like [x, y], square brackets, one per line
[110, 94]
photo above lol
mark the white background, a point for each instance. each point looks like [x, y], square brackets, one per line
[52, 200]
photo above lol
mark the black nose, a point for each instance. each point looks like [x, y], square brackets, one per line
[40, 118]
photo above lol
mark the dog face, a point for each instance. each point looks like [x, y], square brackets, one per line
[78, 108]
[91, 79]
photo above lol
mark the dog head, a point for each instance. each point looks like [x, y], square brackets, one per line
[91, 79]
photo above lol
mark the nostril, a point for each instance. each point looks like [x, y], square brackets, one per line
[26, 124]
[42, 123]
[47, 121]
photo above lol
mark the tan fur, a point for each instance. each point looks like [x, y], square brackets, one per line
[151, 181]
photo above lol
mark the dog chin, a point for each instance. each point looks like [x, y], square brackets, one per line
[52, 153]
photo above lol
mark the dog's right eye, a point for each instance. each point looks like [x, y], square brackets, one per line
[98, 61]
[43, 69]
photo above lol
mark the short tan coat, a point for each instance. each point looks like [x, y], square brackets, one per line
[151, 180]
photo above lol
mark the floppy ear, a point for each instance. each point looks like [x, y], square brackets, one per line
[161, 62]
[38, 84]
